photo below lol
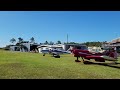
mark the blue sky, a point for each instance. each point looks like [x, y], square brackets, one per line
[81, 26]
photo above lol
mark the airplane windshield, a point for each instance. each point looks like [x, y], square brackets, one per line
[81, 47]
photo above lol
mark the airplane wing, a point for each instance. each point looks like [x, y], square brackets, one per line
[101, 57]
[67, 52]
[45, 51]
[55, 53]
[109, 58]
[60, 52]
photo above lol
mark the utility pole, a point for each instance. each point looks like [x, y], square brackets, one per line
[67, 38]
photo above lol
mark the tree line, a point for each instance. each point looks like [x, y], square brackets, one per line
[32, 40]
[13, 40]
[97, 44]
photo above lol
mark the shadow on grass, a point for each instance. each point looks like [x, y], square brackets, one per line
[103, 64]
[53, 56]
[57, 56]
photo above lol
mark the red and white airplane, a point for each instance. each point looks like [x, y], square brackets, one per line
[110, 55]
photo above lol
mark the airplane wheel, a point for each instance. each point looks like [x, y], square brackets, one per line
[57, 56]
[99, 60]
[87, 62]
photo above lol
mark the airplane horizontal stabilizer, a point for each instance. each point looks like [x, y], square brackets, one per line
[109, 58]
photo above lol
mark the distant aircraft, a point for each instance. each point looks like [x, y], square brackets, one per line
[101, 57]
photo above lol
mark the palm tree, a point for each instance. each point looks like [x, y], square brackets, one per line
[46, 42]
[32, 40]
[12, 40]
[20, 40]
[51, 43]
[58, 42]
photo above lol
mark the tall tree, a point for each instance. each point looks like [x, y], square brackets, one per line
[46, 42]
[12, 40]
[20, 40]
[32, 40]
[58, 42]
[51, 43]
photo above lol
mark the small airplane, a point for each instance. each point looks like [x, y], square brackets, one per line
[55, 52]
[100, 57]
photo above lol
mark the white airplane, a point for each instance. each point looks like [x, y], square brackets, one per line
[55, 52]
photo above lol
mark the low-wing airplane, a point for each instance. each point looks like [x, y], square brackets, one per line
[101, 57]
[55, 52]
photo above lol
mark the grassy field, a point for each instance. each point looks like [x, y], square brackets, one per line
[21, 65]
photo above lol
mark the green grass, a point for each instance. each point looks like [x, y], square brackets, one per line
[21, 65]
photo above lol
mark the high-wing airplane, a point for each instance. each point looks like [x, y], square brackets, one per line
[101, 57]
[55, 52]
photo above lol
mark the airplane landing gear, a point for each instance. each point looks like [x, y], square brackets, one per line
[44, 54]
[57, 56]
[83, 59]
[77, 60]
